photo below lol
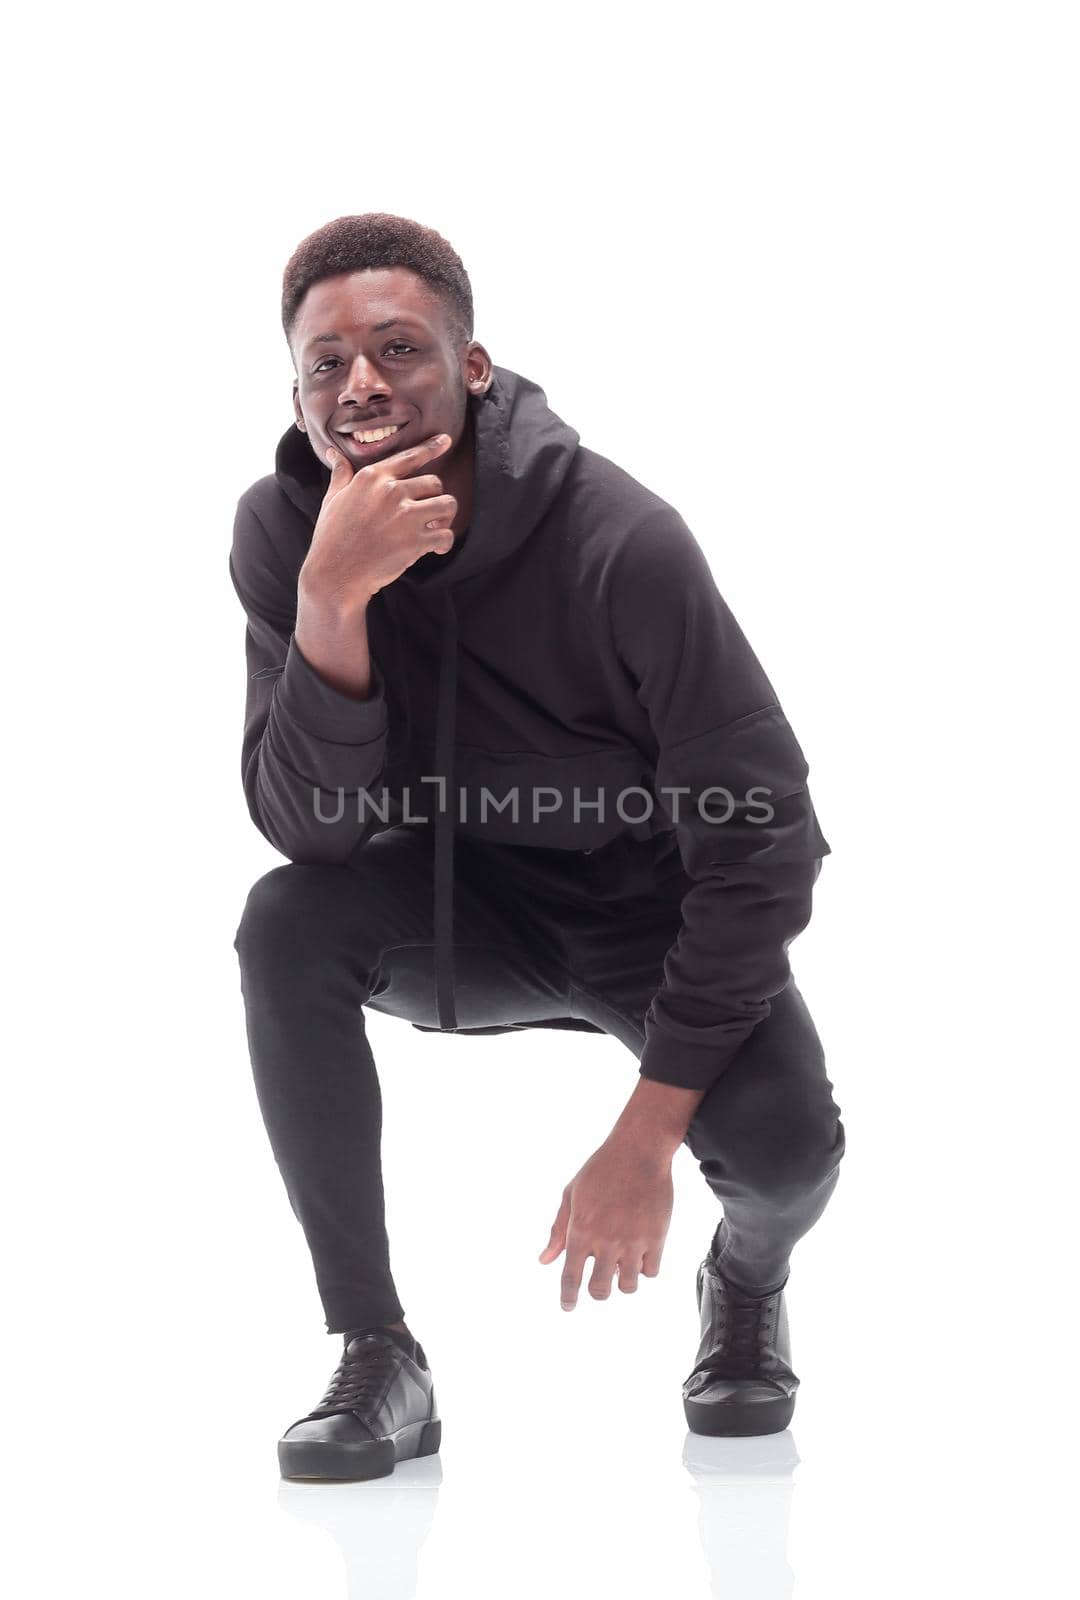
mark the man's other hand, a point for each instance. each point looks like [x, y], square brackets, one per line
[617, 1210]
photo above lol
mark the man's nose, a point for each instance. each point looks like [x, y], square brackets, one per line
[362, 381]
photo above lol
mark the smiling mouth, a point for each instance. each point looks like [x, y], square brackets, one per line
[367, 438]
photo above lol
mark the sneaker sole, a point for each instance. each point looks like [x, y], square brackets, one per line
[732, 1421]
[350, 1463]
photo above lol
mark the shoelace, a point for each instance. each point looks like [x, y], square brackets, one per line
[360, 1375]
[744, 1327]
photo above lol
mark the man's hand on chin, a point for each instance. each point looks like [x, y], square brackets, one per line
[617, 1210]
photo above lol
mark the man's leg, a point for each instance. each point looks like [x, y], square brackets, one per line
[769, 1141]
[317, 943]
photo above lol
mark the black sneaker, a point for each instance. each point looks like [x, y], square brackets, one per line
[742, 1383]
[379, 1410]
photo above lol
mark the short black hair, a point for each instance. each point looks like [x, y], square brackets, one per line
[377, 239]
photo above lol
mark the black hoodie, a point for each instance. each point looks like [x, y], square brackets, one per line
[571, 677]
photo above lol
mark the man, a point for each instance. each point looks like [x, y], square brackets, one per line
[527, 772]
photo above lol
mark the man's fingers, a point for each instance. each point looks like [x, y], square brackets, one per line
[628, 1278]
[425, 487]
[341, 472]
[402, 462]
[439, 511]
[571, 1278]
[650, 1263]
[558, 1233]
[602, 1274]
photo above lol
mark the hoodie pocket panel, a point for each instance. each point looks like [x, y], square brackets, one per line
[566, 803]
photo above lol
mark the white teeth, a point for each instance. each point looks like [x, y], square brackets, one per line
[376, 434]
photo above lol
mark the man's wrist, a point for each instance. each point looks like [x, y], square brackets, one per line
[327, 608]
[656, 1117]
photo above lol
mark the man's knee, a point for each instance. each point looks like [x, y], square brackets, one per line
[811, 1160]
[780, 1149]
[288, 910]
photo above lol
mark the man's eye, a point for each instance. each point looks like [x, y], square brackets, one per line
[399, 346]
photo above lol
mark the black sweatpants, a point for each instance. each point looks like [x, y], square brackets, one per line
[538, 935]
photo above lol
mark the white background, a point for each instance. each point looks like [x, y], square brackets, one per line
[808, 271]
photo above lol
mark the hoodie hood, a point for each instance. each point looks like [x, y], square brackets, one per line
[523, 454]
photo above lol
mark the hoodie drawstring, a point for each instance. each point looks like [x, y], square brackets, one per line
[402, 676]
[444, 820]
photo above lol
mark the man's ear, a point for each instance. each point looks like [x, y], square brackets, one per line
[478, 373]
[296, 408]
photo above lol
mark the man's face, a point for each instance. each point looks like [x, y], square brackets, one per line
[356, 373]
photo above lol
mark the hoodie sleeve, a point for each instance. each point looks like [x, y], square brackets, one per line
[308, 748]
[732, 778]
